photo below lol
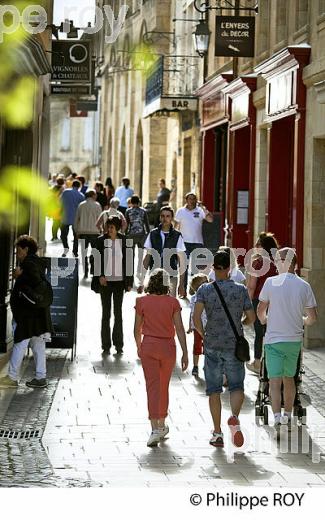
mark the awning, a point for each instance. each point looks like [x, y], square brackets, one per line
[30, 58]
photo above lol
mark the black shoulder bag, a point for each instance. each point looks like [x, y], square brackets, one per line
[242, 345]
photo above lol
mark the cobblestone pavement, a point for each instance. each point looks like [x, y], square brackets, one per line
[95, 424]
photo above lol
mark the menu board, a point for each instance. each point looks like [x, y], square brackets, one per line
[63, 276]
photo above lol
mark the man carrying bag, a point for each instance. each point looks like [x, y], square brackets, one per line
[221, 343]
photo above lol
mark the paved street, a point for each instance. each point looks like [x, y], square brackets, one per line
[91, 424]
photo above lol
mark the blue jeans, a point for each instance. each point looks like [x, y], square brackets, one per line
[220, 362]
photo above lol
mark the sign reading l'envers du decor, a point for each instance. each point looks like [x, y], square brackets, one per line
[235, 36]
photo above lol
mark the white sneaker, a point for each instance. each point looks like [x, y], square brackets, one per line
[286, 421]
[163, 432]
[154, 438]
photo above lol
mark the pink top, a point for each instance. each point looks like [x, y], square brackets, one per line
[158, 312]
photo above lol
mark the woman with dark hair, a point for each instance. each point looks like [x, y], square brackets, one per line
[101, 196]
[109, 189]
[30, 302]
[157, 317]
[266, 245]
[113, 280]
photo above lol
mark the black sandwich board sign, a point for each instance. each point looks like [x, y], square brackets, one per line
[235, 36]
[63, 276]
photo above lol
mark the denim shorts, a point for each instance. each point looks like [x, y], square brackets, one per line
[218, 363]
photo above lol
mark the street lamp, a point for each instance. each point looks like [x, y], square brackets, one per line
[66, 27]
[201, 38]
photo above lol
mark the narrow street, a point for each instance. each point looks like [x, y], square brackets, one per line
[90, 425]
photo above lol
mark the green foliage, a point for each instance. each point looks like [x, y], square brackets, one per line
[19, 188]
[144, 57]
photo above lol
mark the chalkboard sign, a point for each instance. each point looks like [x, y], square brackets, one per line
[213, 233]
[63, 276]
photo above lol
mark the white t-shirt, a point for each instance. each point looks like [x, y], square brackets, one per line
[180, 246]
[190, 224]
[114, 259]
[235, 275]
[288, 296]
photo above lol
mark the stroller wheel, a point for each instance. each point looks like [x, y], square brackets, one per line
[258, 414]
[266, 415]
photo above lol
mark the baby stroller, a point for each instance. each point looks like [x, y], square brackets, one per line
[263, 398]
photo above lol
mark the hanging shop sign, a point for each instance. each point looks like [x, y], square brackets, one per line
[76, 111]
[235, 36]
[87, 105]
[170, 104]
[71, 61]
[71, 90]
[71, 67]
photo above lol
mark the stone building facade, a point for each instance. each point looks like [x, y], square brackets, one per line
[251, 141]
[272, 150]
[149, 117]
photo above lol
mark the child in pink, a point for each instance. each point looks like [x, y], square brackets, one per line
[158, 315]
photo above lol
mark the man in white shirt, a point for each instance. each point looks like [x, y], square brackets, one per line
[123, 192]
[189, 221]
[287, 303]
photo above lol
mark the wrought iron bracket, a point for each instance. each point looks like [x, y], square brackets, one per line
[224, 5]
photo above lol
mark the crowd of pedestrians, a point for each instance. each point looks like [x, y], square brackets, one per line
[223, 299]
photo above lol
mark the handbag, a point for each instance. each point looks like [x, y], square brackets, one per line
[242, 345]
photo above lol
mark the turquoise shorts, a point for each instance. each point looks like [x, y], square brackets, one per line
[282, 358]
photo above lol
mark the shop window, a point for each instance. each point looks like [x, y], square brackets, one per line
[66, 134]
[88, 134]
[281, 20]
[302, 14]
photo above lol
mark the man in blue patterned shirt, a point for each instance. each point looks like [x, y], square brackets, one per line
[220, 342]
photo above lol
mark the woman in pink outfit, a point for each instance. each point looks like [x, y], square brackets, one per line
[157, 317]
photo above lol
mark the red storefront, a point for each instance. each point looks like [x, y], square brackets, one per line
[214, 127]
[241, 162]
[285, 115]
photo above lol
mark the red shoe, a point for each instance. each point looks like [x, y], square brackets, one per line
[237, 437]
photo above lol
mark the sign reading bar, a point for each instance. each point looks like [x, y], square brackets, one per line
[235, 36]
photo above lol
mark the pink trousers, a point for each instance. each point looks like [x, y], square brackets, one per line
[158, 357]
